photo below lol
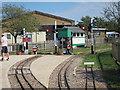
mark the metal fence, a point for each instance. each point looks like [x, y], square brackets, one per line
[48, 45]
[116, 49]
[101, 40]
[96, 40]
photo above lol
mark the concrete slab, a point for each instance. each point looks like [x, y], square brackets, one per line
[43, 67]
[4, 68]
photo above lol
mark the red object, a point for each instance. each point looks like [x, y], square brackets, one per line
[26, 39]
[48, 30]
[68, 46]
[68, 39]
[84, 28]
[34, 48]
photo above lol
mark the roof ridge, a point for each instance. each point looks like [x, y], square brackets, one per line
[53, 16]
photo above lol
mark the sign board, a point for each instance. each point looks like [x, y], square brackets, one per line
[48, 30]
[84, 28]
[88, 63]
[68, 47]
[26, 39]
[34, 48]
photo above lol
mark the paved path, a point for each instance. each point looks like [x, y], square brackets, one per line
[43, 67]
[4, 67]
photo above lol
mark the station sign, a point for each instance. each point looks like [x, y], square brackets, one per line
[26, 39]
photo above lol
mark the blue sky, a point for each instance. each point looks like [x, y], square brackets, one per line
[70, 10]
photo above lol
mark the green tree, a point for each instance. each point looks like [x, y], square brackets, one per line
[98, 22]
[15, 18]
[85, 21]
[112, 16]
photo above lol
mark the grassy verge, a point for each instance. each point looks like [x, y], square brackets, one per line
[96, 47]
[111, 71]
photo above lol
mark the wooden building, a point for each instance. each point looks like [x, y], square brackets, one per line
[97, 32]
[78, 36]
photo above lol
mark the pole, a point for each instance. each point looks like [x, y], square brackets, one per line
[92, 52]
[119, 15]
[55, 38]
[24, 37]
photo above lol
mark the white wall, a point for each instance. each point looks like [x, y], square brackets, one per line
[36, 37]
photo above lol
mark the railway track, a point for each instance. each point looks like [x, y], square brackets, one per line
[89, 81]
[62, 78]
[21, 77]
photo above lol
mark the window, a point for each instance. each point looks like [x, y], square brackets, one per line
[8, 36]
[74, 34]
[78, 34]
[81, 34]
[96, 33]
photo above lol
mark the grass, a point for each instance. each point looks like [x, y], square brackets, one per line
[111, 71]
[97, 46]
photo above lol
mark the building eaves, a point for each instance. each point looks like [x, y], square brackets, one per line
[53, 16]
[75, 29]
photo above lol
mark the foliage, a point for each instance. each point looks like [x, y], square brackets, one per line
[15, 18]
[85, 21]
[112, 15]
[97, 22]
[111, 71]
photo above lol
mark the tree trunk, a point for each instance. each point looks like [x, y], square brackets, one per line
[15, 39]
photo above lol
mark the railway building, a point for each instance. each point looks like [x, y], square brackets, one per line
[78, 36]
[47, 22]
[98, 33]
[75, 34]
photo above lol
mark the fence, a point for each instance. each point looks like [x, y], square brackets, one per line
[116, 49]
[48, 45]
[96, 40]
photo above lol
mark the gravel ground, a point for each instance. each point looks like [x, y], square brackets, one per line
[76, 76]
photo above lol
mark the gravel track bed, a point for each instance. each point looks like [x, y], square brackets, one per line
[53, 79]
[22, 71]
[76, 76]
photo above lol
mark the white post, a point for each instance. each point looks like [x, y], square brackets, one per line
[92, 52]
[24, 37]
[55, 38]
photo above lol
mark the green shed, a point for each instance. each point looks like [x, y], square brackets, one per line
[65, 33]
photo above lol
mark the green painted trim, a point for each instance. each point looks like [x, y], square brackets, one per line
[78, 44]
[78, 37]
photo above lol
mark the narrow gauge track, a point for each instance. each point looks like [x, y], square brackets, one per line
[21, 77]
[62, 78]
[90, 81]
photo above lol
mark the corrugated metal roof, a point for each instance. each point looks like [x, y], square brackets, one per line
[75, 29]
[112, 33]
[100, 29]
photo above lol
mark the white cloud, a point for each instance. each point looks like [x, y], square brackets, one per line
[60, 0]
